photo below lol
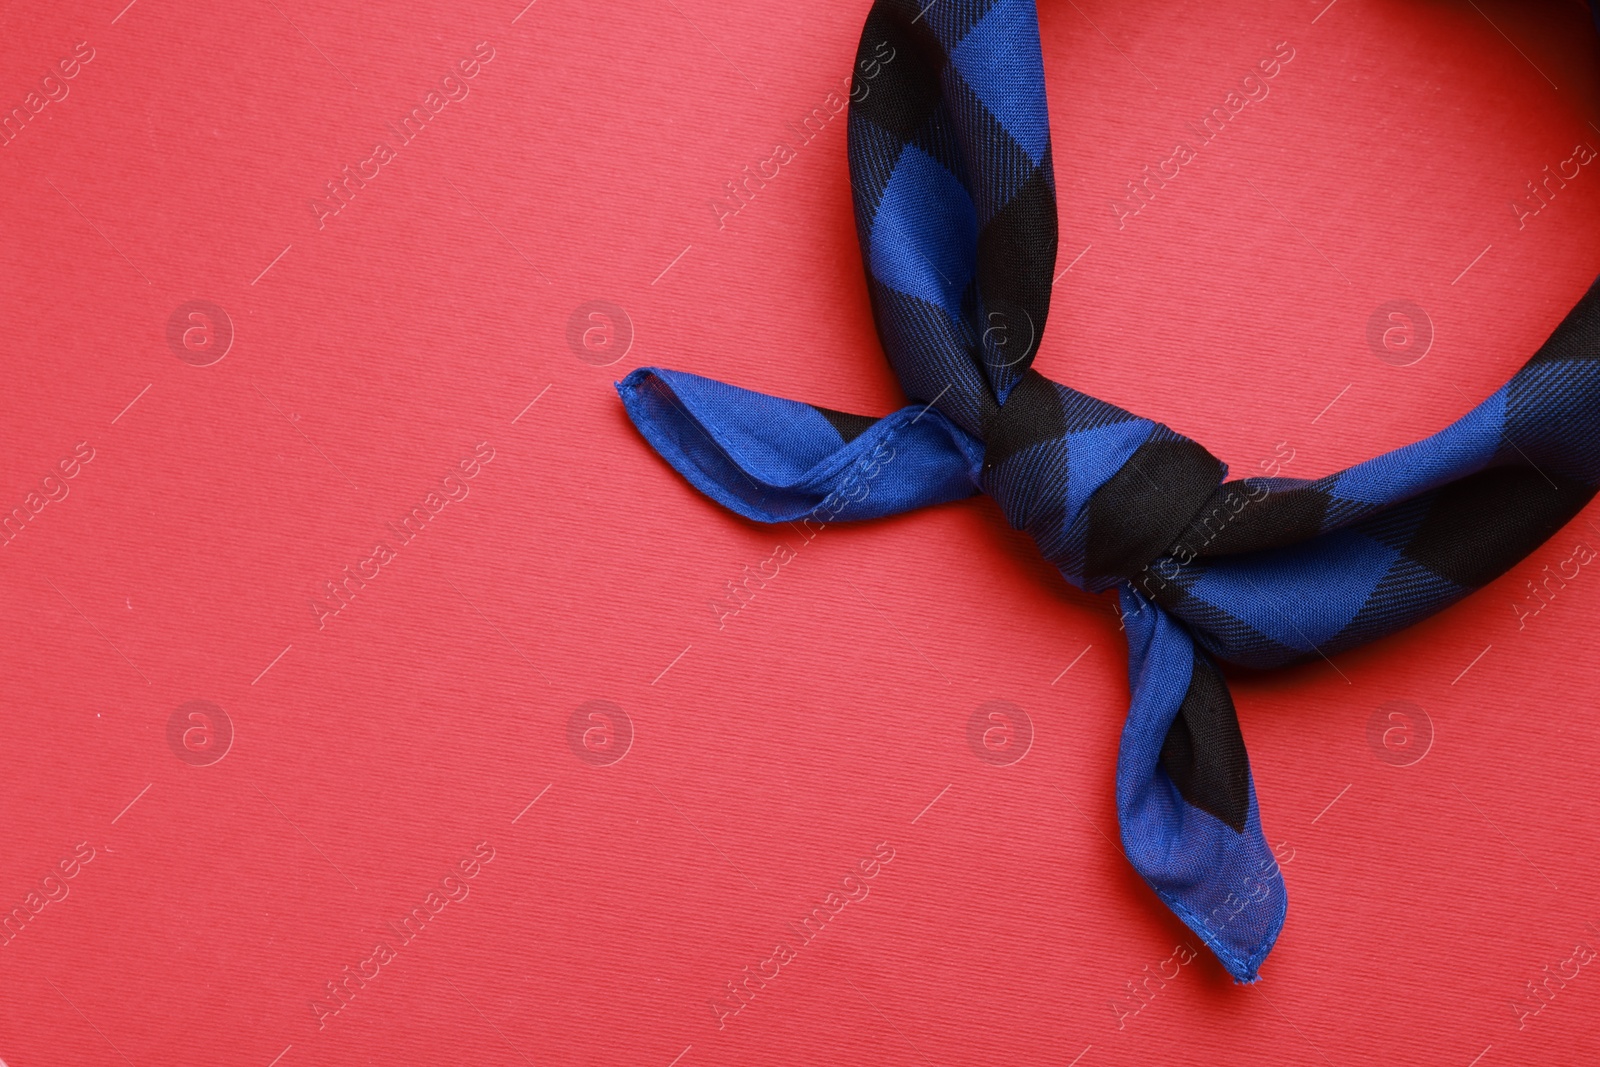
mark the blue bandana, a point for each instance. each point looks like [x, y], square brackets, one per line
[955, 206]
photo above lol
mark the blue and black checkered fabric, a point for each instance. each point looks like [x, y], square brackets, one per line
[949, 150]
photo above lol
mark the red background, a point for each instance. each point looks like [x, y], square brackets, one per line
[375, 352]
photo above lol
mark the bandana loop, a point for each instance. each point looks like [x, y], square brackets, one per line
[954, 198]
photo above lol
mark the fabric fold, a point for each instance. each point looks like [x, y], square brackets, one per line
[776, 460]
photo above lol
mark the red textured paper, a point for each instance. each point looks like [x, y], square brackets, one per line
[378, 750]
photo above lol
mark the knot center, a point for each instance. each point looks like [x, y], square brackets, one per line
[1101, 491]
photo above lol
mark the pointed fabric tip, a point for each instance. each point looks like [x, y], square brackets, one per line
[1222, 880]
[775, 460]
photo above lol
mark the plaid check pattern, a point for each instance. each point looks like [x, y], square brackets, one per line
[954, 195]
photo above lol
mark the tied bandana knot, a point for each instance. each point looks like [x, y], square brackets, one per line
[1102, 492]
[954, 195]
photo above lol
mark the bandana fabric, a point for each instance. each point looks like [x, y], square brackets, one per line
[954, 195]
